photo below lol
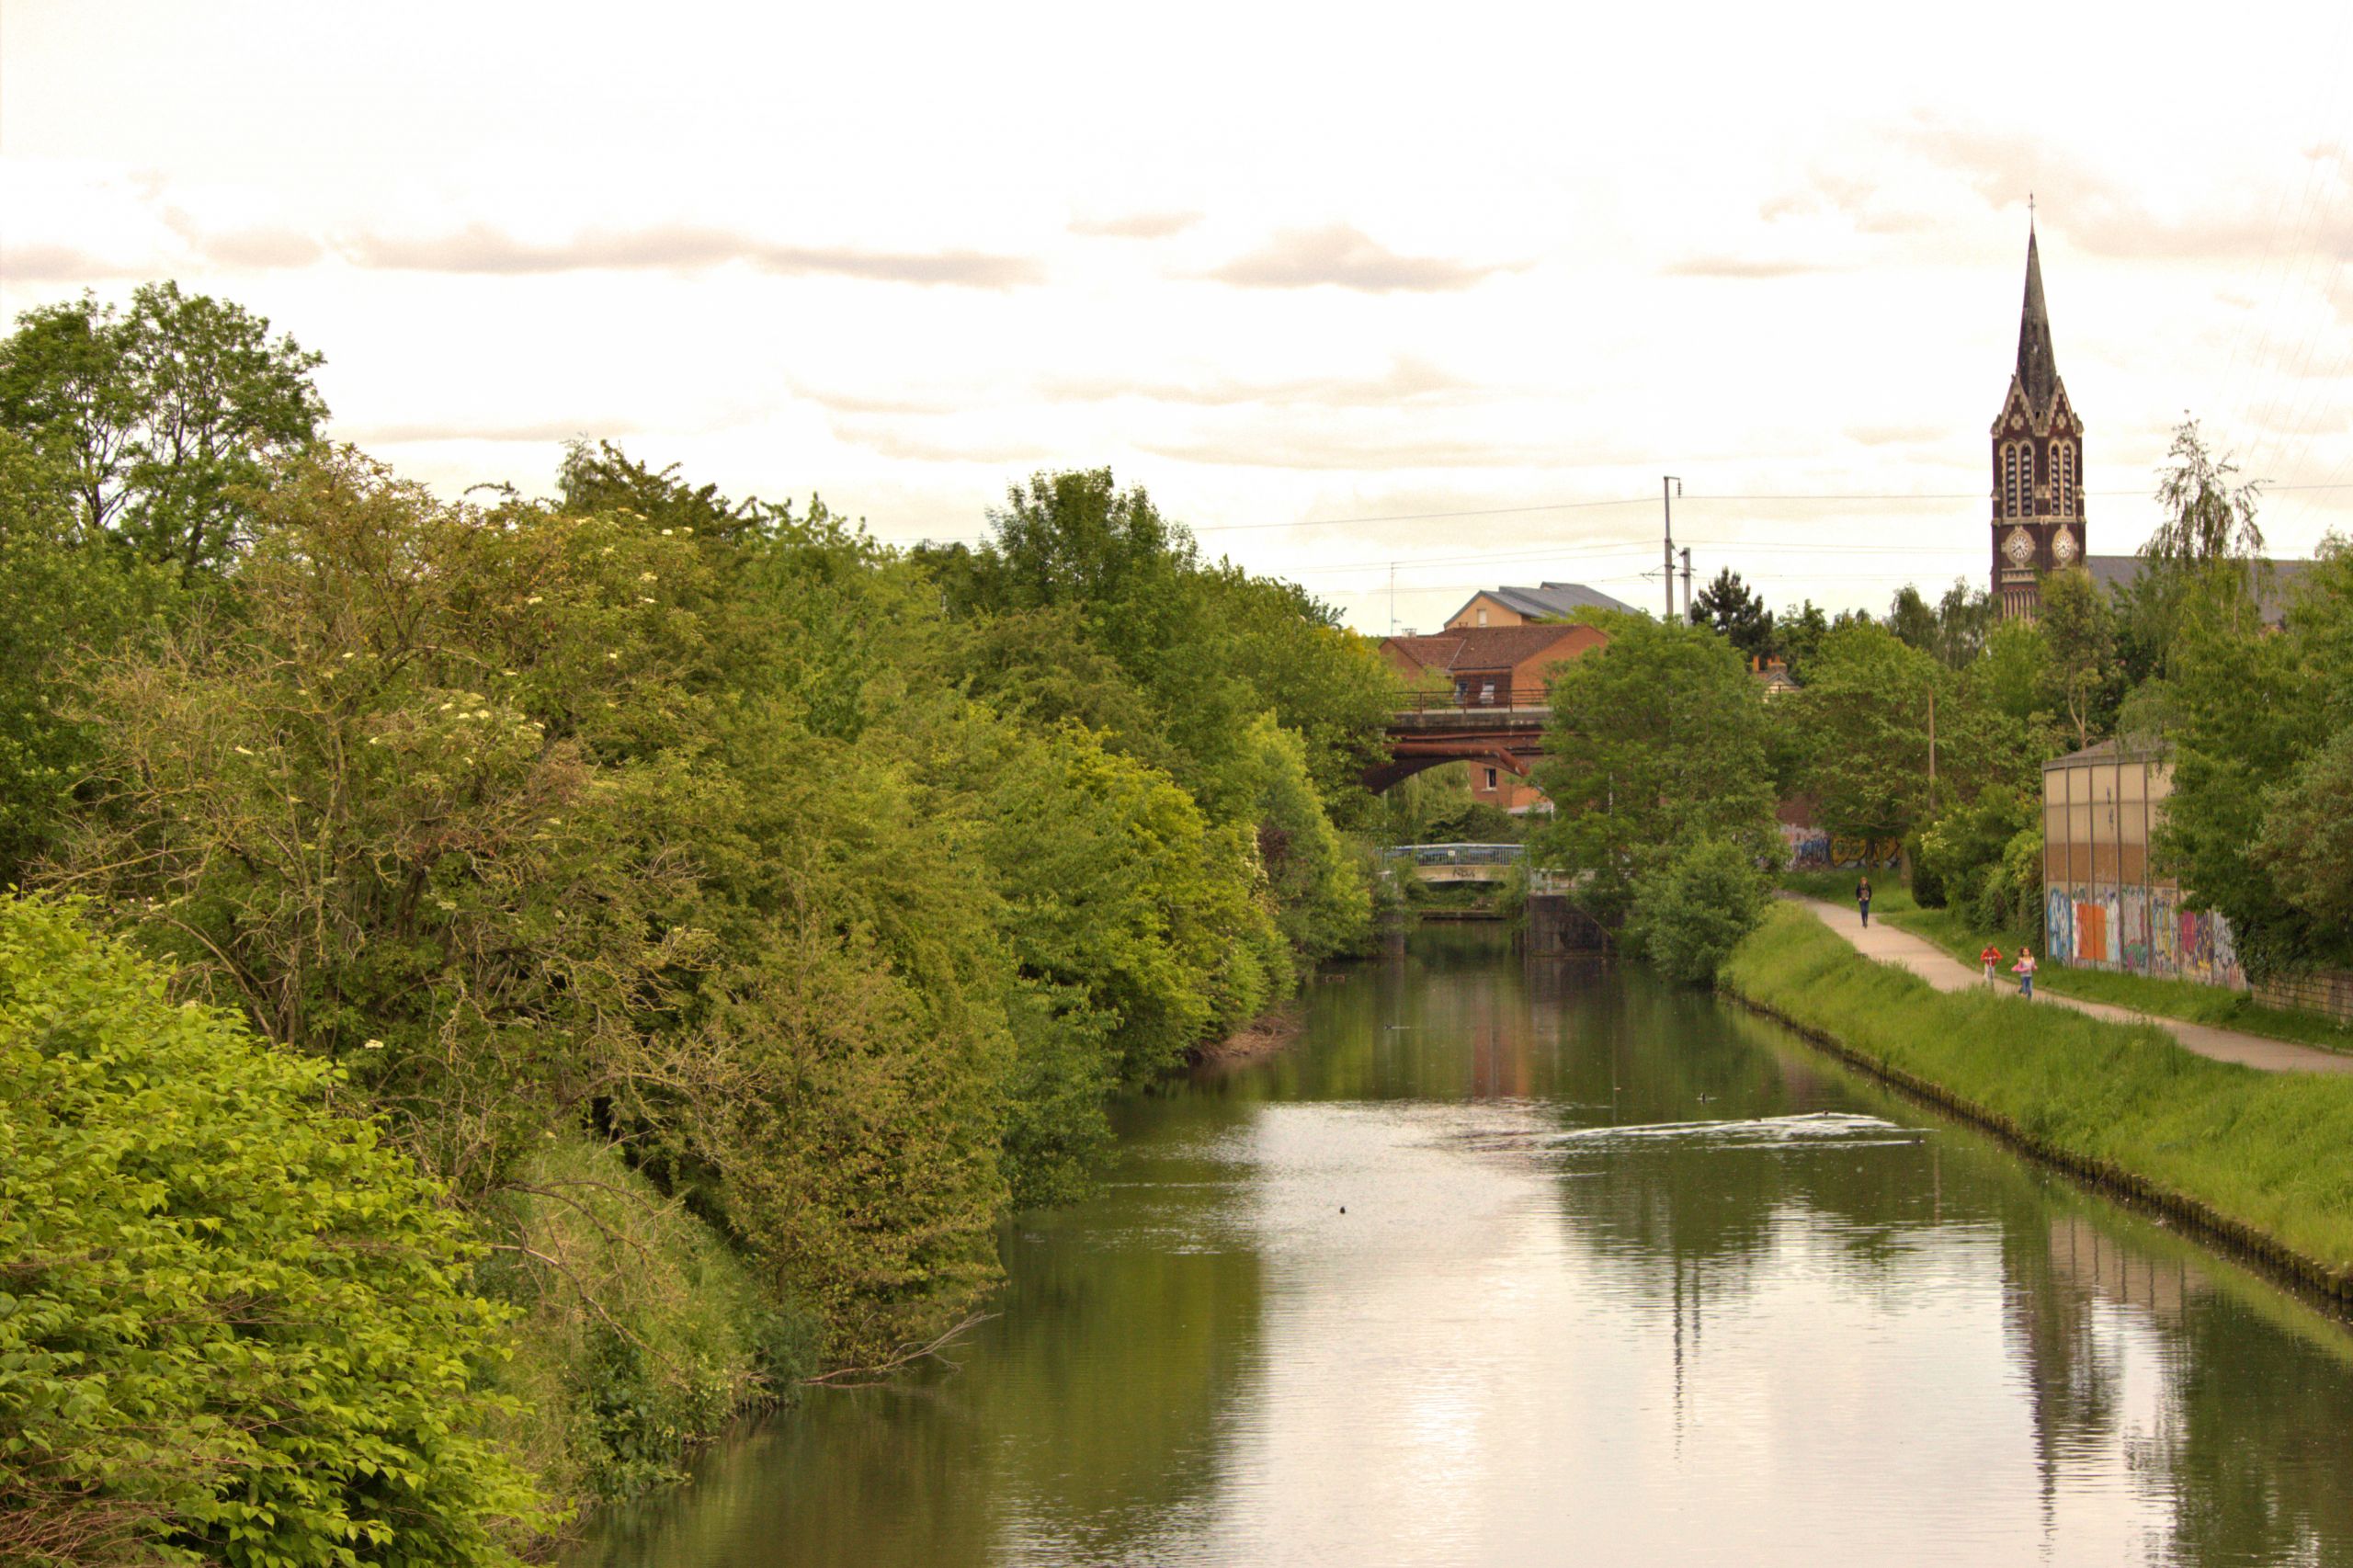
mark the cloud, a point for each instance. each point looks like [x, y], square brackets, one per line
[1748, 266]
[62, 264]
[480, 248]
[1406, 380]
[541, 430]
[1896, 435]
[1136, 225]
[1369, 451]
[893, 440]
[2107, 215]
[1348, 259]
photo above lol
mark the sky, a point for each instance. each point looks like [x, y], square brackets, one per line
[1353, 291]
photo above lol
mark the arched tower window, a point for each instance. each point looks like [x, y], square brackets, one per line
[2009, 478]
[2065, 471]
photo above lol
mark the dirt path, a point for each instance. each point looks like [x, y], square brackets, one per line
[1885, 944]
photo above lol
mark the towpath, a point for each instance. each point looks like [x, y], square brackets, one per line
[1885, 944]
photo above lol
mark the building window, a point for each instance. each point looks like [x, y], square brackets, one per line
[1482, 615]
[1491, 780]
[2066, 470]
[2009, 478]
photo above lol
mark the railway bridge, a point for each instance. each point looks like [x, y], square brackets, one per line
[1497, 727]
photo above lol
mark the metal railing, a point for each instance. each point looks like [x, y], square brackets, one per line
[1456, 854]
[1472, 697]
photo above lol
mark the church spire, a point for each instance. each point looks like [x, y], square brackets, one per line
[2038, 367]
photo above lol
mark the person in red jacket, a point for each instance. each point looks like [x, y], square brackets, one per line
[1989, 957]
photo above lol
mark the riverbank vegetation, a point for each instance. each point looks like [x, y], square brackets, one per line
[1662, 803]
[732, 919]
[1926, 729]
[2258, 1155]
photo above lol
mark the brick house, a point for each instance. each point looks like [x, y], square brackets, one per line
[1519, 607]
[1492, 667]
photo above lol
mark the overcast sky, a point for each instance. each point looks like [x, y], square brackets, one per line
[1277, 263]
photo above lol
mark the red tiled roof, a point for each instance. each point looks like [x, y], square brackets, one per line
[1480, 647]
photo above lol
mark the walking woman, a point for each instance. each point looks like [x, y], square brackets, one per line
[1863, 899]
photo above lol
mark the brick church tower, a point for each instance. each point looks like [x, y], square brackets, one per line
[2037, 463]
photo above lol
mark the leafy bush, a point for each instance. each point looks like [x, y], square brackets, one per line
[234, 1326]
[640, 1329]
[1689, 912]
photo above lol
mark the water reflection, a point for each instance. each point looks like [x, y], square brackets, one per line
[1506, 1265]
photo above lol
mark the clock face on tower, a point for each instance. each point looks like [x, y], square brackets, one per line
[2018, 546]
[2062, 548]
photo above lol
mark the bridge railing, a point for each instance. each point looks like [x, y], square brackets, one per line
[1456, 854]
[1474, 698]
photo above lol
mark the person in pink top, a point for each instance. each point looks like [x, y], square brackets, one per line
[2024, 970]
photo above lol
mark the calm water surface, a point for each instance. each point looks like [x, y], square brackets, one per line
[1624, 1276]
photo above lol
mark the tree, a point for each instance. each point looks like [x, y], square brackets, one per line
[1912, 620]
[2252, 827]
[163, 413]
[236, 1325]
[2079, 629]
[2208, 515]
[1657, 741]
[1689, 912]
[65, 601]
[2203, 558]
[1861, 720]
[1734, 610]
[1797, 636]
[1965, 619]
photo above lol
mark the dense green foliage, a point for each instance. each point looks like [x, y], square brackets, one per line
[2263, 1150]
[1690, 911]
[235, 1326]
[738, 918]
[1655, 761]
[161, 415]
[2260, 727]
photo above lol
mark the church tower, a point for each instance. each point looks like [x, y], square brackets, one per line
[2037, 463]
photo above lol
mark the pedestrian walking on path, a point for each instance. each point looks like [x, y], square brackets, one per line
[1901, 950]
[2024, 970]
[1863, 899]
[1989, 957]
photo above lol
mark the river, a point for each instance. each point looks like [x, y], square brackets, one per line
[1511, 1263]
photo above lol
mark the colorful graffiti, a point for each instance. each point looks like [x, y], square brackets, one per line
[1811, 849]
[2144, 930]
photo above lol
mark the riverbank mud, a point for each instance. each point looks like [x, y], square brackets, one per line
[1261, 1037]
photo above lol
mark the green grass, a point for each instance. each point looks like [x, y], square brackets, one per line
[2270, 1154]
[1888, 892]
[2182, 999]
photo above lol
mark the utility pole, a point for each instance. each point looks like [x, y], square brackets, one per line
[1668, 488]
[1932, 745]
[1686, 582]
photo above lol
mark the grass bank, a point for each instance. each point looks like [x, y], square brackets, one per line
[2186, 1000]
[2264, 1161]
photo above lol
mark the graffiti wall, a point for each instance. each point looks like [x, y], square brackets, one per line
[2144, 930]
[1811, 849]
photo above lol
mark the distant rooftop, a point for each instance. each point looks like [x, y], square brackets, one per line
[1559, 599]
[2278, 587]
